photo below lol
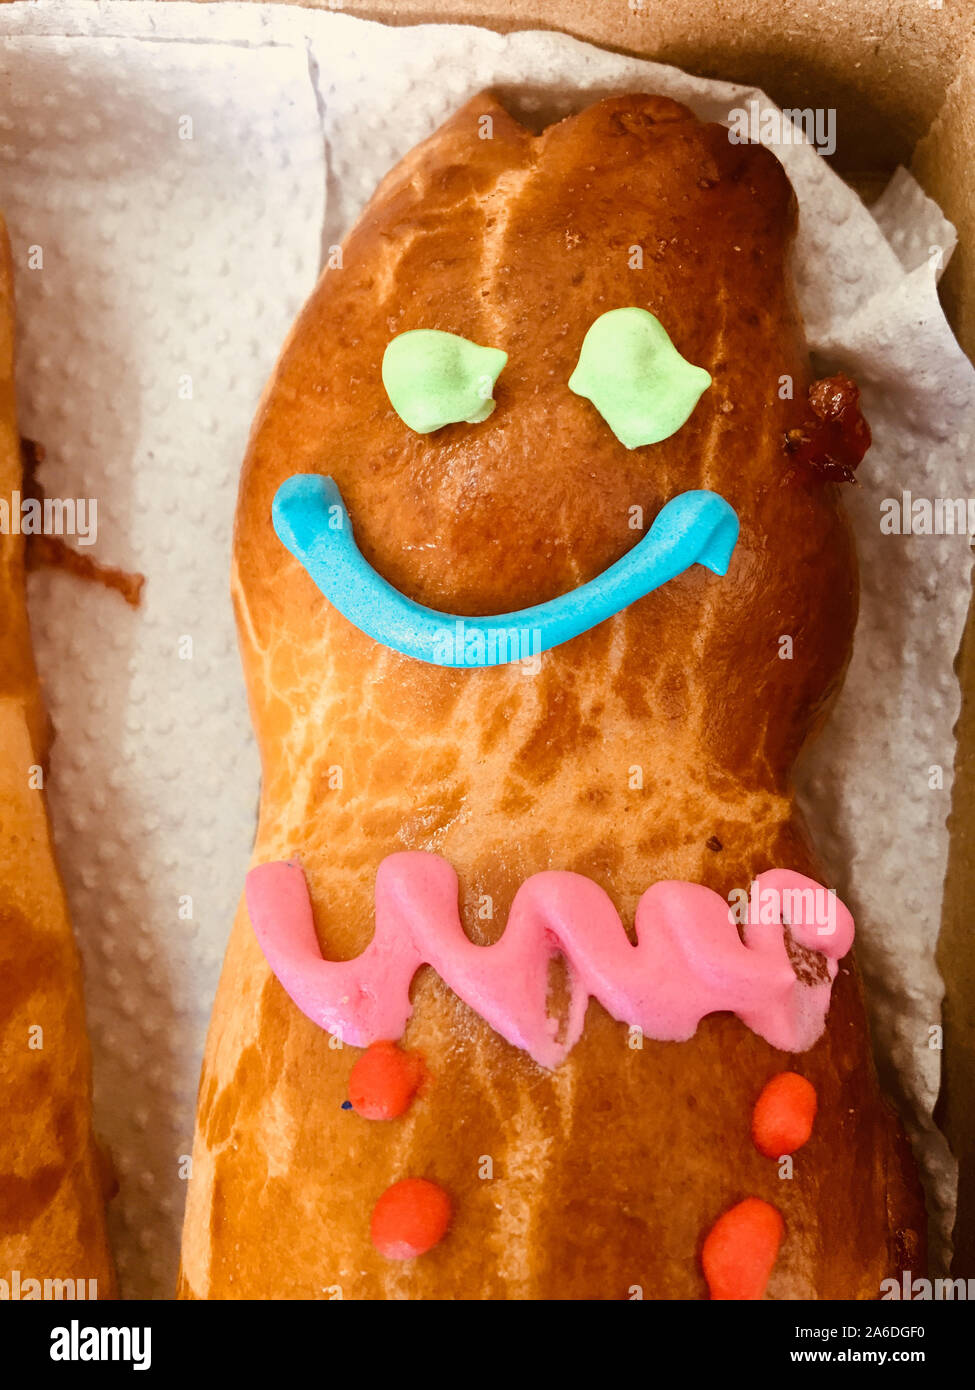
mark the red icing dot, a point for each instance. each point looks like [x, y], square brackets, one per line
[410, 1218]
[784, 1114]
[740, 1250]
[384, 1080]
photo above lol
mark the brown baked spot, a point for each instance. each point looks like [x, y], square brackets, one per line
[29, 960]
[23, 1200]
[560, 733]
[809, 966]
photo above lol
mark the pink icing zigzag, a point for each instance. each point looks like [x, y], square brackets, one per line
[689, 960]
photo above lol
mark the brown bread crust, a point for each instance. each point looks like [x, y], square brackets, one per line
[607, 1173]
[52, 1175]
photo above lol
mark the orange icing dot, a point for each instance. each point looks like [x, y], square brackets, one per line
[740, 1250]
[783, 1117]
[410, 1218]
[383, 1081]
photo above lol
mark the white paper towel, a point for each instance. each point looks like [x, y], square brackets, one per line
[172, 269]
[168, 259]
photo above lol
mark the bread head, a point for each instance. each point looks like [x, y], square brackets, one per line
[521, 242]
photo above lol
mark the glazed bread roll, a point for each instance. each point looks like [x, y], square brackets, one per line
[53, 1178]
[698, 1131]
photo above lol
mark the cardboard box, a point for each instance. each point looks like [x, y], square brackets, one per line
[898, 73]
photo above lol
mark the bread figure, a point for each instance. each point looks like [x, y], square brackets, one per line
[53, 1178]
[543, 581]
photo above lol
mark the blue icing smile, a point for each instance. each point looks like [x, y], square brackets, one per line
[311, 520]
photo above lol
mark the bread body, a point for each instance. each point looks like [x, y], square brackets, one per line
[606, 1173]
[52, 1175]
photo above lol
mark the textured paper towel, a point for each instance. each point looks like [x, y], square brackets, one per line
[164, 260]
[169, 266]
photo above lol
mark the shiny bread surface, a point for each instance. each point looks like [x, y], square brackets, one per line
[604, 1175]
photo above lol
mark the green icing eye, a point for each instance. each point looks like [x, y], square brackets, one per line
[636, 378]
[434, 379]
